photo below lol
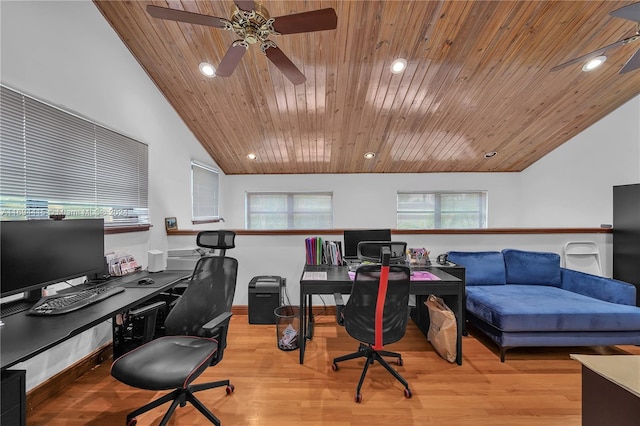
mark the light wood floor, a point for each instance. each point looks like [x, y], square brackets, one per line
[533, 387]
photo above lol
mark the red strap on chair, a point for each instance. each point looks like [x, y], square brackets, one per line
[382, 295]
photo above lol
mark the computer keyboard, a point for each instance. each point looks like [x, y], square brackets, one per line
[68, 302]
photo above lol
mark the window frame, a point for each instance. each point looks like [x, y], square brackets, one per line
[290, 211]
[482, 211]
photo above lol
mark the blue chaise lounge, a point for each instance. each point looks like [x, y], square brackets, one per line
[524, 298]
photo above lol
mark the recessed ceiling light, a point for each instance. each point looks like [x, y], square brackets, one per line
[594, 63]
[207, 69]
[398, 66]
[252, 156]
[369, 155]
[490, 154]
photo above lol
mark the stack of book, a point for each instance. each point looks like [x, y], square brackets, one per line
[319, 252]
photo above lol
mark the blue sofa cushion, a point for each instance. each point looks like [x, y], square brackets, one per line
[545, 308]
[530, 267]
[481, 267]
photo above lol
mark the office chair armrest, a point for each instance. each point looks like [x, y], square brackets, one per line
[217, 321]
[149, 313]
[145, 310]
[217, 329]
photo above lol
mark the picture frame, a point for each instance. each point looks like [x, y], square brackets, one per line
[170, 223]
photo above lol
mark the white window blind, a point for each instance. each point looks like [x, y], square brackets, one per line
[289, 210]
[53, 162]
[204, 192]
[442, 210]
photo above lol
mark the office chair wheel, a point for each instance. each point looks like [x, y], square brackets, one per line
[334, 366]
[407, 393]
[358, 398]
[399, 362]
[230, 389]
[132, 422]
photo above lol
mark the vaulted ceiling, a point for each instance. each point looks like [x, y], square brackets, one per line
[478, 80]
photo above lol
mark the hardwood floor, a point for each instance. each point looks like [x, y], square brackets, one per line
[533, 387]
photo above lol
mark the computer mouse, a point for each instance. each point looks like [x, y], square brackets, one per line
[145, 281]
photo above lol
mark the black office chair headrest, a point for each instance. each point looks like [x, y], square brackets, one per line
[217, 240]
[372, 251]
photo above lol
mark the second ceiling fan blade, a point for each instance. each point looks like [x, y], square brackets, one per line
[247, 5]
[184, 16]
[590, 55]
[306, 22]
[231, 60]
[630, 12]
[632, 64]
[284, 64]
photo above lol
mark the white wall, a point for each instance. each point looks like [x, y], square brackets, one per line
[573, 185]
[66, 53]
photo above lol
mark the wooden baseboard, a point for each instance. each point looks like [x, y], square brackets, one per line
[60, 381]
[50, 387]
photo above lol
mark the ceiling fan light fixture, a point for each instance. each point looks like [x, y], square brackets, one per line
[369, 155]
[252, 156]
[594, 63]
[207, 69]
[398, 66]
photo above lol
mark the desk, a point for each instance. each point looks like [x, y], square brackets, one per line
[23, 336]
[338, 281]
[610, 389]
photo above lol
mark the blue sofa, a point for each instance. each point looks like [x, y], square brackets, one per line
[524, 298]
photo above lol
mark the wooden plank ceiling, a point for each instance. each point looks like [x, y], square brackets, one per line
[478, 80]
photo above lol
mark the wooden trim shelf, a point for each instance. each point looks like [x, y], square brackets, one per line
[487, 231]
[124, 229]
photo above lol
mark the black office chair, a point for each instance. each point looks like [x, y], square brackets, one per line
[376, 314]
[195, 335]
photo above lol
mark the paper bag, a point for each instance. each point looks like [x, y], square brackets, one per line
[443, 330]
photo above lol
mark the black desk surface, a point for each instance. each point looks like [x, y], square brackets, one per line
[338, 281]
[23, 336]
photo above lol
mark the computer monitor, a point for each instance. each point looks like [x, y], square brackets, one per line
[36, 253]
[371, 251]
[353, 236]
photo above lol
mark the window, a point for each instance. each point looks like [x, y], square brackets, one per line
[286, 210]
[442, 210]
[204, 193]
[56, 163]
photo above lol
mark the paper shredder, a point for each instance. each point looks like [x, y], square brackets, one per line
[265, 295]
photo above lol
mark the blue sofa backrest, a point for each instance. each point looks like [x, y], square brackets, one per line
[481, 267]
[532, 267]
[509, 266]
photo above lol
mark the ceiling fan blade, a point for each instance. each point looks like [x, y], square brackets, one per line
[284, 64]
[184, 16]
[247, 5]
[630, 12]
[593, 54]
[632, 64]
[306, 22]
[231, 60]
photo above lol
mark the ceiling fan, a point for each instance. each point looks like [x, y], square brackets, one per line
[252, 23]
[630, 12]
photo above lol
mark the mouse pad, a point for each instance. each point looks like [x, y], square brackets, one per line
[132, 279]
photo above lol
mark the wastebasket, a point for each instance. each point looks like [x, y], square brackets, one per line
[287, 327]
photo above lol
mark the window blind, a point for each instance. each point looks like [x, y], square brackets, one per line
[54, 162]
[289, 210]
[204, 192]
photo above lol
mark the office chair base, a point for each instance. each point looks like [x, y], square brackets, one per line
[372, 355]
[181, 397]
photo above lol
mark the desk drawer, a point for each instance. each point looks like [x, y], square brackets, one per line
[13, 401]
